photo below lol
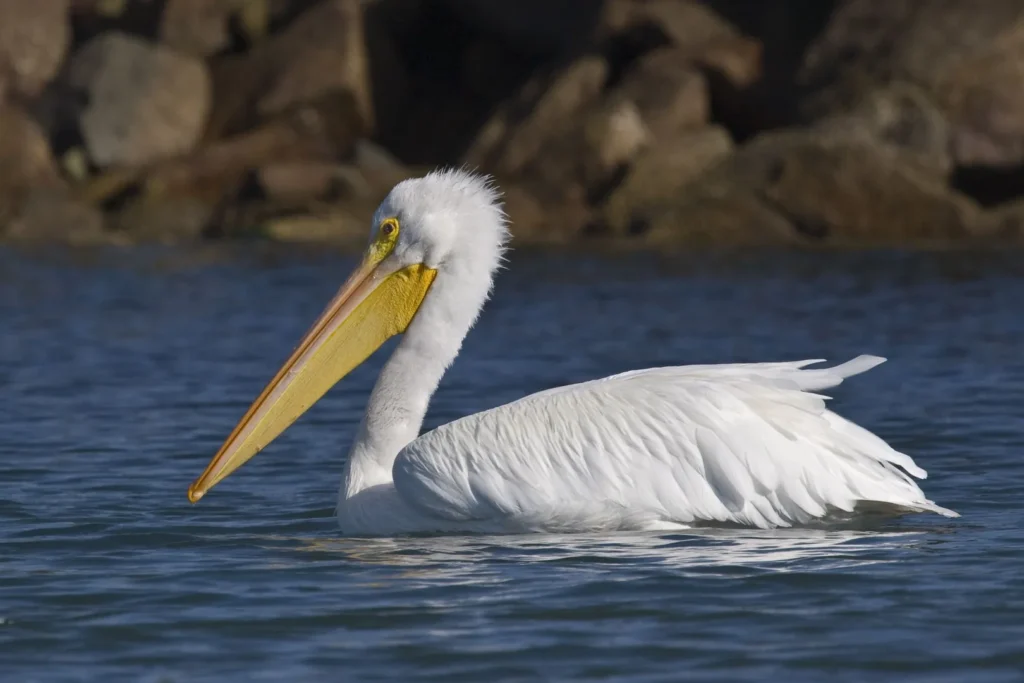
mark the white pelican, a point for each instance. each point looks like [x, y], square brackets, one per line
[663, 448]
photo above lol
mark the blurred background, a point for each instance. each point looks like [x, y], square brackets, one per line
[639, 122]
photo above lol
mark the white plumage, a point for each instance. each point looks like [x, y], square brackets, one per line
[747, 444]
[664, 448]
[652, 449]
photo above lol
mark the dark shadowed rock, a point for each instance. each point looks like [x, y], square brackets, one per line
[545, 110]
[539, 218]
[25, 160]
[830, 190]
[169, 221]
[299, 182]
[318, 61]
[968, 57]
[199, 27]
[144, 102]
[613, 134]
[660, 174]
[696, 32]
[899, 116]
[669, 93]
[726, 217]
[218, 169]
[52, 215]
[1003, 224]
[34, 37]
[532, 26]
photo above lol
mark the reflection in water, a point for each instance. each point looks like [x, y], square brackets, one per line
[778, 550]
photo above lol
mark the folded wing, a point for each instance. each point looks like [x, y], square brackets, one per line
[749, 444]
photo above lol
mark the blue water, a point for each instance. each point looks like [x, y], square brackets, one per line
[121, 372]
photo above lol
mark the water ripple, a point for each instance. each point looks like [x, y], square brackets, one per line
[122, 372]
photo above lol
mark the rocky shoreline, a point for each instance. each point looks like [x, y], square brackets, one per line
[647, 123]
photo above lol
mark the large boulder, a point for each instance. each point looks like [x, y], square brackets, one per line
[143, 102]
[968, 57]
[34, 37]
[661, 172]
[695, 31]
[200, 27]
[669, 93]
[51, 215]
[25, 161]
[828, 189]
[546, 110]
[318, 61]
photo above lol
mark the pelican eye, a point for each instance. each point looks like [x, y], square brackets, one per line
[389, 227]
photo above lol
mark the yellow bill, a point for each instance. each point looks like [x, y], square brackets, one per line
[375, 303]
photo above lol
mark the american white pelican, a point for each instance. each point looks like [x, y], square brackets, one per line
[663, 448]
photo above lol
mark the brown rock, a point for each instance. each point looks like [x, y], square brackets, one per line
[545, 220]
[838, 191]
[336, 225]
[728, 217]
[969, 59]
[198, 27]
[901, 117]
[367, 179]
[546, 110]
[149, 219]
[696, 32]
[219, 168]
[298, 182]
[25, 160]
[851, 193]
[1003, 224]
[34, 37]
[668, 92]
[613, 136]
[319, 61]
[661, 173]
[145, 102]
[51, 215]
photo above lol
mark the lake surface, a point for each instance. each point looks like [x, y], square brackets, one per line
[121, 372]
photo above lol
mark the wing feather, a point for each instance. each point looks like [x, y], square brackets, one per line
[750, 444]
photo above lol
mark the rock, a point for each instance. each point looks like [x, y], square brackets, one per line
[218, 169]
[199, 27]
[144, 102]
[902, 117]
[661, 172]
[696, 32]
[34, 37]
[854, 193]
[378, 168]
[546, 110]
[51, 215]
[730, 217]
[969, 60]
[538, 220]
[1003, 224]
[336, 225]
[669, 94]
[25, 160]
[318, 62]
[149, 219]
[830, 190]
[613, 135]
[298, 182]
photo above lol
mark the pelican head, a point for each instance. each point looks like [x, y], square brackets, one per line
[435, 243]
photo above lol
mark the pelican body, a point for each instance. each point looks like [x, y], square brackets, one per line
[662, 448]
